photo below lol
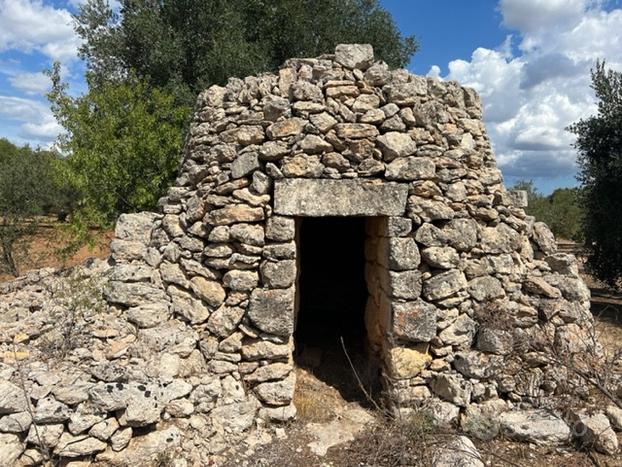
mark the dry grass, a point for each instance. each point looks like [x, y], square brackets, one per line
[315, 401]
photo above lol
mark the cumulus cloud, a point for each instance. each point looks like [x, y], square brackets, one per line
[31, 25]
[30, 83]
[37, 121]
[530, 98]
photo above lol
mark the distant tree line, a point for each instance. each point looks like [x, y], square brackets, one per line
[561, 210]
[32, 184]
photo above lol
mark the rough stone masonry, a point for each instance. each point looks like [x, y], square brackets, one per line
[467, 294]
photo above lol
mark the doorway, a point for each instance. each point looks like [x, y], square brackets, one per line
[330, 336]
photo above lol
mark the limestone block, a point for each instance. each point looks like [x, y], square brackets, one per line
[284, 128]
[407, 362]
[414, 321]
[272, 311]
[485, 288]
[356, 130]
[280, 229]
[444, 285]
[12, 398]
[441, 257]
[357, 56]
[396, 144]
[404, 284]
[244, 164]
[410, 168]
[278, 274]
[534, 426]
[277, 392]
[235, 213]
[298, 197]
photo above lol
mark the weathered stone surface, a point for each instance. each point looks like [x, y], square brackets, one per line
[49, 410]
[408, 362]
[359, 56]
[613, 412]
[474, 364]
[444, 285]
[356, 130]
[273, 151]
[277, 392]
[244, 164]
[544, 238]
[284, 128]
[11, 448]
[279, 274]
[312, 144]
[235, 213]
[303, 166]
[12, 398]
[78, 446]
[135, 227]
[405, 284]
[241, 281]
[211, 292]
[280, 229]
[500, 239]
[407, 169]
[225, 320]
[272, 311]
[338, 198]
[15, 423]
[452, 388]
[414, 321]
[401, 254]
[485, 288]
[148, 315]
[441, 257]
[538, 286]
[404, 94]
[395, 144]
[482, 420]
[458, 451]
[460, 332]
[593, 431]
[534, 426]
[495, 341]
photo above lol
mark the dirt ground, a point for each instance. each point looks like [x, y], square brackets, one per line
[40, 250]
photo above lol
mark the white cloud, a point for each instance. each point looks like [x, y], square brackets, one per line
[37, 120]
[31, 25]
[530, 99]
[30, 83]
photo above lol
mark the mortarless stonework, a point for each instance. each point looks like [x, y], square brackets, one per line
[203, 295]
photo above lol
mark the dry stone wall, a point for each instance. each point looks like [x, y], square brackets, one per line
[467, 293]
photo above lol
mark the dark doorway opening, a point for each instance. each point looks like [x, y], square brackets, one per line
[332, 298]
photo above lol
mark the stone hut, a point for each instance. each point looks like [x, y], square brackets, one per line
[392, 167]
[334, 197]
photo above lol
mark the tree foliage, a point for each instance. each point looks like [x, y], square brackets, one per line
[123, 142]
[187, 45]
[599, 143]
[561, 210]
[30, 186]
[146, 64]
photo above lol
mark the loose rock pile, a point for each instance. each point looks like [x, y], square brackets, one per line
[469, 300]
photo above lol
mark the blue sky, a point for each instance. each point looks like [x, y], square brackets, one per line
[529, 60]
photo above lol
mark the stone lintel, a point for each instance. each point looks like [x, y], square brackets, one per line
[317, 198]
